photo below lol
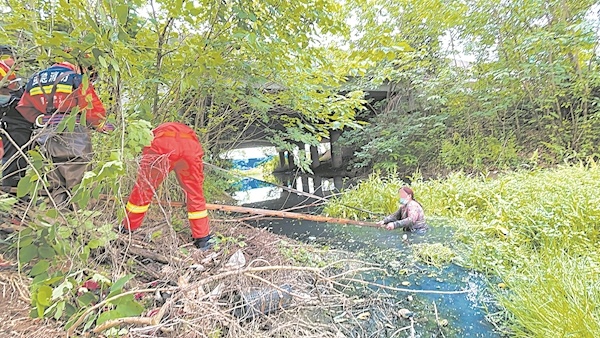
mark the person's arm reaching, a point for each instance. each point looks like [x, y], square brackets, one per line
[391, 218]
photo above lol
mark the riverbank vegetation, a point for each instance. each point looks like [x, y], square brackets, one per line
[489, 85]
[535, 230]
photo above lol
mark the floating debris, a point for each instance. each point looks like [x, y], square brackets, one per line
[405, 313]
[435, 254]
[364, 316]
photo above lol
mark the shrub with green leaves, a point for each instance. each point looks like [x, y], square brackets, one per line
[478, 153]
[46, 247]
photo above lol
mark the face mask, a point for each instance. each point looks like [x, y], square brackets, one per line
[17, 93]
[403, 201]
[5, 99]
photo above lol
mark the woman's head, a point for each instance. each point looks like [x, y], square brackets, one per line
[406, 195]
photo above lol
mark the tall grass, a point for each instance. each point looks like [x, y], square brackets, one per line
[377, 194]
[536, 230]
[557, 295]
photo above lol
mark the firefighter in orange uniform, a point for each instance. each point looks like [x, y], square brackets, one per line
[175, 147]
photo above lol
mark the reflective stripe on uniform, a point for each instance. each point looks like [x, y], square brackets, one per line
[173, 134]
[136, 209]
[197, 214]
[60, 88]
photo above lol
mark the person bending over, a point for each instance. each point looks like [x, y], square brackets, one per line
[175, 147]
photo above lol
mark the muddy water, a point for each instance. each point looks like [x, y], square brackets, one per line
[465, 312]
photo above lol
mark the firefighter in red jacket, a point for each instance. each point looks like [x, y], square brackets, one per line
[175, 147]
[52, 95]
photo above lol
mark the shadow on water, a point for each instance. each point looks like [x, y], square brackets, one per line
[465, 312]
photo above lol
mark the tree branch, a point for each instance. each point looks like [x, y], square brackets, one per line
[154, 320]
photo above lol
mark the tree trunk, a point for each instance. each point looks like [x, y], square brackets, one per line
[285, 214]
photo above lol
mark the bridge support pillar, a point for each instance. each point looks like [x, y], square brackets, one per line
[305, 187]
[291, 162]
[314, 157]
[336, 149]
[281, 159]
[338, 183]
[318, 183]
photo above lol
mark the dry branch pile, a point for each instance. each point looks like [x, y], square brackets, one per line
[263, 294]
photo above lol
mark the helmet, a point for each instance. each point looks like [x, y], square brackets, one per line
[8, 78]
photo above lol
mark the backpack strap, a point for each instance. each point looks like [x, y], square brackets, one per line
[50, 109]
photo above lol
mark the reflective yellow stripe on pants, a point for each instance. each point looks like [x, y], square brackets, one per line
[197, 214]
[136, 209]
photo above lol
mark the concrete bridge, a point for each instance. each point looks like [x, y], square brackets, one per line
[256, 135]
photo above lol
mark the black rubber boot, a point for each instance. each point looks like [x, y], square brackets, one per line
[120, 228]
[203, 243]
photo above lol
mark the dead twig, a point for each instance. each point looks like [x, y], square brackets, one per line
[13, 281]
[135, 247]
[437, 320]
[258, 269]
[154, 320]
[400, 330]
[354, 271]
[201, 282]
[275, 286]
[149, 254]
[406, 290]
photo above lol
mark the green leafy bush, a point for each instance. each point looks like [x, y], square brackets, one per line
[396, 140]
[479, 153]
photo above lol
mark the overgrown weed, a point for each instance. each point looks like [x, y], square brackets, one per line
[435, 254]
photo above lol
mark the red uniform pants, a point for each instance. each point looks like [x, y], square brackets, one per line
[175, 147]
